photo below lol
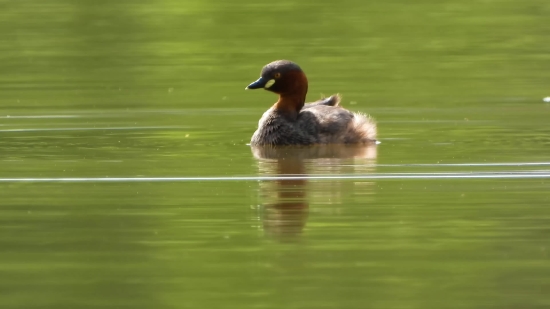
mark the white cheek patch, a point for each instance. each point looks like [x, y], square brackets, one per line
[269, 83]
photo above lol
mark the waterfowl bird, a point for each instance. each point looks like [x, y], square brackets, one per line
[292, 122]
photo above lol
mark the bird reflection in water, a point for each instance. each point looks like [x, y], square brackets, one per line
[284, 203]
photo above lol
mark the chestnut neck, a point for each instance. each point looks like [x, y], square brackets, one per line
[293, 97]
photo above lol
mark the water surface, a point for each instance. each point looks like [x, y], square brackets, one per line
[127, 182]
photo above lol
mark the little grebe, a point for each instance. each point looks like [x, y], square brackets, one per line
[291, 122]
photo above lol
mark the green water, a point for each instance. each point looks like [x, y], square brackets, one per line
[136, 89]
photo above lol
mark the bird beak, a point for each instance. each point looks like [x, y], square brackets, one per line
[260, 83]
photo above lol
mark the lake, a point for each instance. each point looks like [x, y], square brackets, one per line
[126, 180]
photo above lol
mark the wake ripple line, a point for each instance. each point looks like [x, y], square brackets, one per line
[493, 175]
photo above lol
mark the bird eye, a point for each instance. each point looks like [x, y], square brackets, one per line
[277, 75]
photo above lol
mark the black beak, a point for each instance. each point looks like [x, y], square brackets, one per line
[260, 83]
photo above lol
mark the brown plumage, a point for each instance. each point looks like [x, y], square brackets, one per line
[292, 122]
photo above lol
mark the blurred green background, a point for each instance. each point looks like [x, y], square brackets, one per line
[156, 88]
[162, 53]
